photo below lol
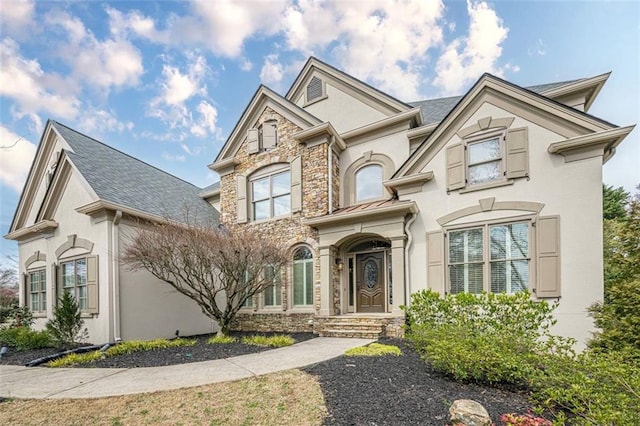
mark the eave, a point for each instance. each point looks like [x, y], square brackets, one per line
[224, 166]
[308, 135]
[592, 85]
[42, 227]
[399, 208]
[412, 117]
[601, 143]
[95, 208]
[408, 184]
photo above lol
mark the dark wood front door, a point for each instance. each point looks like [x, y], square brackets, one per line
[370, 282]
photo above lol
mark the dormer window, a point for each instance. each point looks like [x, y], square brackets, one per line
[315, 90]
[369, 183]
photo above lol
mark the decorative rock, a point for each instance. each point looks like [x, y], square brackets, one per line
[469, 413]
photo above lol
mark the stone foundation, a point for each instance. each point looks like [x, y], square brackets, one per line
[360, 326]
[286, 323]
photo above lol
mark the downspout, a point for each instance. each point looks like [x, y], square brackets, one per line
[116, 275]
[407, 269]
[330, 153]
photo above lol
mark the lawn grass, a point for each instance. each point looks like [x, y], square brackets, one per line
[284, 398]
[374, 349]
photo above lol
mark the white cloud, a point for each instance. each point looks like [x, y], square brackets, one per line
[33, 90]
[113, 62]
[540, 49]
[246, 65]
[15, 160]
[134, 22]
[207, 120]
[465, 59]
[16, 16]
[178, 158]
[96, 121]
[272, 70]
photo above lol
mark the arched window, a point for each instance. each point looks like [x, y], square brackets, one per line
[302, 277]
[369, 183]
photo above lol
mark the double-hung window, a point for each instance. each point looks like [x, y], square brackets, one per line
[302, 277]
[74, 280]
[485, 161]
[272, 295]
[271, 195]
[38, 290]
[493, 258]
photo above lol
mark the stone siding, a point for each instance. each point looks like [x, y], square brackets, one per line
[284, 322]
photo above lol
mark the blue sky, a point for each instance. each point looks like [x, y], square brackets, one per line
[166, 81]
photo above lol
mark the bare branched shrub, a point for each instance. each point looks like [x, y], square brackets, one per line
[219, 269]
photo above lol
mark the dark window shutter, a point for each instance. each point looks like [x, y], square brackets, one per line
[253, 144]
[92, 285]
[296, 184]
[314, 89]
[548, 261]
[269, 135]
[241, 198]
[435, 261]
[455, 167]
[517, 145]
[56, 285]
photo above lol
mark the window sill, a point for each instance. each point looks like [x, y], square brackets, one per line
[306, 309]
[39, 314]
[483, 186]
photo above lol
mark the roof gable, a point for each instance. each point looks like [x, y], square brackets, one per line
[566, 120]
[346, 83]
[263, 98]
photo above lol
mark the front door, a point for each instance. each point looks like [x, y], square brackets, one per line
[370, 282]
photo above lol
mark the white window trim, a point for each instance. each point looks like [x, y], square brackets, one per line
[292, 305]
[486, 260]
[262, 173]
[480, 138]
[42, 294]
[61, 287]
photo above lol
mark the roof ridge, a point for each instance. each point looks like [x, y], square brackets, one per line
[124, 153]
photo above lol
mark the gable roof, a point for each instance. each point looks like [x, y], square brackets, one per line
[360, 86]
[435, 110]
[263, 97]
[571, 115]
[123, 180]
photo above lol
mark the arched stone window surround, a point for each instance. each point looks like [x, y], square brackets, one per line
[368, 158]
[490, 204]
[37, 256]
[74, 242]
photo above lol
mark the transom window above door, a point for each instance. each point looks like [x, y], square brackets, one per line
[271, 195]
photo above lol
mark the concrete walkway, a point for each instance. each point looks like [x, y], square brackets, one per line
[42, 382]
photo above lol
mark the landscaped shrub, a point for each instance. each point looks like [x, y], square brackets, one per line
[17, 316]
[600, 388]
[66, 325]
[23, 338]
[122, 348]
[277, 341]
[486, 337]
[221, 340]
[374, 349]
[618, 319]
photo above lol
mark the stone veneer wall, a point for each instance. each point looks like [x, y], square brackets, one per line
[287, 231]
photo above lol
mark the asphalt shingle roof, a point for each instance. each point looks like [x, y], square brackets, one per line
[435, 110]
[122, 179]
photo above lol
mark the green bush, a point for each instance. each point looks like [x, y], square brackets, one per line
[277, 341]
[16, 316]
[75, 359]
[618, 319]
[486, 337]
[66, 326]
[221, 340]
[593, 388]
[374, 349]
[23, 338]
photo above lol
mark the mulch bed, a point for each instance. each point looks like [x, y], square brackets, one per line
[404, 390]
[372, 391]
[201, 351]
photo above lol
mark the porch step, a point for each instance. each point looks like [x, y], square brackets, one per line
[361, 327]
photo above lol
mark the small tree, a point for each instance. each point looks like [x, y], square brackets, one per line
[217, 268]
[66, 326]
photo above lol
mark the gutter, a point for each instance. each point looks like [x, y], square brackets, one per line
[115, 274]
[407, 262]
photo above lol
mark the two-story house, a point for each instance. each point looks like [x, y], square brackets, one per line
[499, 190]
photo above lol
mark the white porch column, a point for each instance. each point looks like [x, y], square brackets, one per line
[326, 281]
[397, 273]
